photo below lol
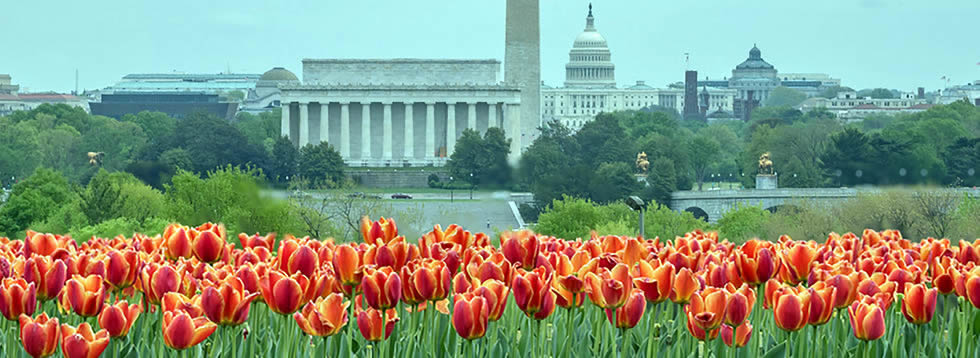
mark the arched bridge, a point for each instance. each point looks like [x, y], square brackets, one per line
[712, 204]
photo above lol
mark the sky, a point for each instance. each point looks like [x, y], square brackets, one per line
[901, 44]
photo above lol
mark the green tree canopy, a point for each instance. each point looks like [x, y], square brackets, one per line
[322, 164]
[784, 96]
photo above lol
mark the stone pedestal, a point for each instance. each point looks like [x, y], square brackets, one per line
[766, 181]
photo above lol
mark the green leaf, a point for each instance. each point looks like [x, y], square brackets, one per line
[779, 351]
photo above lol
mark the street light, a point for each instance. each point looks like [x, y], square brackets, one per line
[635, 203]
[471, 186]
[450, 188]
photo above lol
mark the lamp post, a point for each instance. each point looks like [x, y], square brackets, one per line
[635, 203]
[471, 186]
[450, 188]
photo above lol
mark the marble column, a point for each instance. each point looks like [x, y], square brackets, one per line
[450, 128]
[471, 116]
[365, 131]
[491, 115]
[409, 131]
[325, 122]
[345, 130]
[430, 130]
[386, 132]
[304, 124]
[284, 123]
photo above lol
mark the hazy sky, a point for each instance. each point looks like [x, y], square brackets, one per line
[867, 43]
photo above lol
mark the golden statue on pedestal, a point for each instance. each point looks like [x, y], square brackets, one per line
[765, 164]
[642, 163]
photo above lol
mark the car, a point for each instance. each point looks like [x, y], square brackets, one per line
[400, 196]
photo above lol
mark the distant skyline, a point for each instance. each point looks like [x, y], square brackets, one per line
[899, 44]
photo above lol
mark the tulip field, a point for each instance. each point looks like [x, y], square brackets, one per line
[193, 292]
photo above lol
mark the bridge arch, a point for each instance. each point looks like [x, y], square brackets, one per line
[698, 213]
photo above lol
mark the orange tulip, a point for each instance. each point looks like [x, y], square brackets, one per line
[395, 254]
[347, 265]
[656, 283]
[685, 284]
[609, 288]
[228, 303]
[82, 342]
[707, 308]
[17, 297]
[919, 303]
[295, 257]
[520, 248]
[822, 299]
[796, 260]
[846, 289]
[791, 309]
[739, 305]
[40, 337]
[495, 293]
[257, 240]
[741, 334]
[756, 262]
[49, 275]
[972, 288]
[867, 318]
[117, 319]
[769, 299]
[375, 328]
[50, 245]
[431, 280]
[181, 331]
[156, 280]
[173, 301]
[533, 294]
[699, 333]
[630, 313]
[208, 242]
[383, 230]
[122, 268]
[287, 294]
[470, 315]
[323, 317]
[84, 295]
[177, 241]
[382, 288]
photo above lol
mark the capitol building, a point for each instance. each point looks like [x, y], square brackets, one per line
[590, 87]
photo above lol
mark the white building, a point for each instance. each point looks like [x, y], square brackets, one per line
[847, 106]
[590, 86]
[266, 95]
[11, 100]
[398, 112]
[970, 92]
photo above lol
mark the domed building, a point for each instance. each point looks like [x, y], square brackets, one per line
[266, 94]
[589, 61]
[590, 86]
[754, 79]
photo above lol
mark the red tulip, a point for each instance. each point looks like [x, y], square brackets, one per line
[495, 293]
[17, 297]
[177, 241]
[228, 303]
[796, 260]
[181, 331]
[84, 295]
[972, 288]
[256, 240]
[630, 313]
[609, 288]
[375, 328]
[699, 333]
[383, 230]
[117, 319]
[122, 268]
[208, 242]
[49, 275]
[520, 248]
[919, 303]
[395, 254]
[532, 293]
[741, 334]
[323, 317]
[739, 305]
[50, 245]
[432, 280]
[707, 308]
[295, 257]
[656, 283]
[287, 294]
[83, 343]
[867, 319]
[470, 315]
[40, 337]
[791, 309]
[756, 262]
[156, 280]
[822, 299]
[173, 301]
[382, 288]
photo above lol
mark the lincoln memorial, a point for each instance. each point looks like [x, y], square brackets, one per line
[398, 112]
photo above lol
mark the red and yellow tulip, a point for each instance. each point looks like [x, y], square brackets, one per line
[39, 336]
[117, 319]
[181, 331]
[323, 317]
[82, 342]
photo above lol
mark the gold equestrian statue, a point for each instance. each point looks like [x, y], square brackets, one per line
[95, 158]
[765, 164]
[642, 163]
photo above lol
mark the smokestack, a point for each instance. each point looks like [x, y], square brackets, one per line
[921, 93]
[690, 94]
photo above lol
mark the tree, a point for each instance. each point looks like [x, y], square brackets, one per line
[612, 182]
[831, 92]
[100, 200]
[704, 153]
[497, 145]
[742, 222]
[285, 160]
[211, 142]
[258, 128]
[784, 96]
[34, 199]
[177, 158]
[154, 124]
[848, 155]
[962, 160]
[481, 160]
[661, 182]
[321, 163]
[882, 93]
[938, 210]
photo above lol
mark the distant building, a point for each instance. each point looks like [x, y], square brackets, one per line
[174, 104]
[590, 87]
[12, 100]
[266, 94]
[970, 92]
[210, 83]
[847, 106]
[811, 84]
